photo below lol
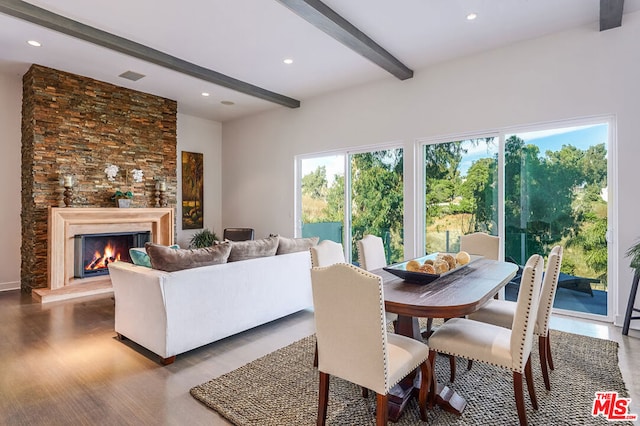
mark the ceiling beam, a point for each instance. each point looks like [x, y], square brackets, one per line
[327, 20]
[43, 17]
[610, 14]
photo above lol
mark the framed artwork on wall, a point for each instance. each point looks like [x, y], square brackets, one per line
[192, 190]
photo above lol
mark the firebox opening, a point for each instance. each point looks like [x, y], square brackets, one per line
[94, 252]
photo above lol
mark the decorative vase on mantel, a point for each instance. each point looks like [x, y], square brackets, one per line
[124, 202]
[123, 199]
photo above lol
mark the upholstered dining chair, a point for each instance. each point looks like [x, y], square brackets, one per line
[371, 253]
[481, 244]
[509, 348]
[238, 234]
[371, 256]
[362, 352]
[327, 253]
[501, 312]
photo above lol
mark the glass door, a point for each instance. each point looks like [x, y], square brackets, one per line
[556, 193]
[534, 189]
[461, 191]
[377, 200]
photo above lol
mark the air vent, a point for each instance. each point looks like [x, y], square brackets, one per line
[130, 75]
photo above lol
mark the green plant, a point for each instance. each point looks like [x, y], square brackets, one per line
[634, 254]
[204, 238]
[119, 194]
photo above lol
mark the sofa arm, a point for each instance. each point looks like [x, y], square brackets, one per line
[140, 313]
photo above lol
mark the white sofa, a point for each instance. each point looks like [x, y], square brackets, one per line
[173, 312]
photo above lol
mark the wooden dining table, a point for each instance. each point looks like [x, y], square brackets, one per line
[453, 295]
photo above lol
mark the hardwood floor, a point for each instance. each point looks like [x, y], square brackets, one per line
[63, 365]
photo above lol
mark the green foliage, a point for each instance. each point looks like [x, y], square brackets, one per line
[634, 253]
[477, 192]
[334, 209]
[378, 198]
[315, 184]
[119, 195]
[201, 239]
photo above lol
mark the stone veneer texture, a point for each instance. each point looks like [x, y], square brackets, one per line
[78, 126]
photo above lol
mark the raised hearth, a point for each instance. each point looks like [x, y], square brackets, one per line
[65, 223]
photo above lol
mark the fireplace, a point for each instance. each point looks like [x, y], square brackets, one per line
[94, 252]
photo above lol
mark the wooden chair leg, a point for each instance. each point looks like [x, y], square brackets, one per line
[530, 385]
[425, 385]
[315, 356]
[549, 357]
[452, 368]
[517, 390]
[432, 392]
[382, 410]
[542, 350]
[365, 392]
[469, 364]
[323, 398]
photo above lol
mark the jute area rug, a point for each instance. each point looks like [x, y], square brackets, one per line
[281, 388]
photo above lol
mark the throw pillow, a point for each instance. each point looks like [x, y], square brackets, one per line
[140, 257]
[293, 245]
[170, 260]
[243, 250]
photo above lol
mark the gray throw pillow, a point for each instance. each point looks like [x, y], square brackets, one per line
[293, 245]
[170, 260]
[243, 250]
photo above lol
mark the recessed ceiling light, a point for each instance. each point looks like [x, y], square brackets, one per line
[227, 102]
[471, 16]
[288, 61]
[205, 94]
[34, 43]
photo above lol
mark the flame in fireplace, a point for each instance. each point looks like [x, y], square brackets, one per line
[102, 260]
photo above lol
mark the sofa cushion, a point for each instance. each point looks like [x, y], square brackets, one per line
[170, 260]
[292, 245]
[243, 250]
[140, 257]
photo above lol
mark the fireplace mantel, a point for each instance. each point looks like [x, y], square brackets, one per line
[65, 223]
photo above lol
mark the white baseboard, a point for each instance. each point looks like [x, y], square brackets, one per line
[15, 285]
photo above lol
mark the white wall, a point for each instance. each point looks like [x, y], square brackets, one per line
[204, 136]
[194, 134]
[578, 73]
[10, 159]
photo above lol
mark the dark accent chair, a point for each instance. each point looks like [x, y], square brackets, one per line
[238, 234]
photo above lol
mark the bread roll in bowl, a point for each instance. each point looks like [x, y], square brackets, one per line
[441, 266]
[413, 266]
[463, 258]
[428, 269]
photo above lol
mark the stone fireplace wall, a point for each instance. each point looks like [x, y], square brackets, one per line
[73, 125]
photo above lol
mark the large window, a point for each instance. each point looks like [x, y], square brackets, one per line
[534, 189]
[372, 189]
[460, 190]
[556, 193]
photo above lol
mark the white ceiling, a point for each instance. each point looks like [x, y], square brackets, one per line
[248, 40]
